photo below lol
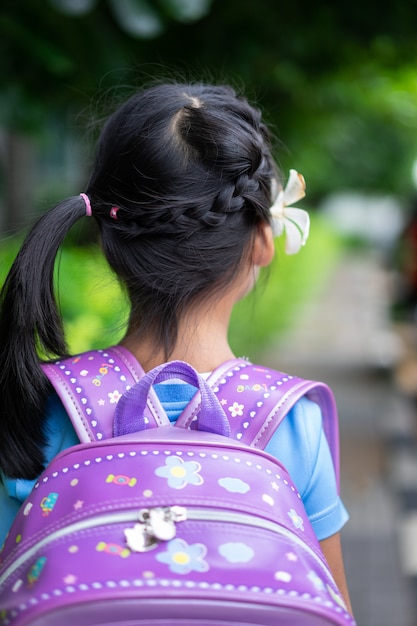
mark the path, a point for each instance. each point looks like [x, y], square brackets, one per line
[345, 339]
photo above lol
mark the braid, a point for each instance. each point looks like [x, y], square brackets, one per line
[189, 168]
[181, 181]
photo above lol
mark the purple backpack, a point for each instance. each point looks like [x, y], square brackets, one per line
[146, 523]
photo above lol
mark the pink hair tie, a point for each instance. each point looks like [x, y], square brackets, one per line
[113, 212]
[86, 199]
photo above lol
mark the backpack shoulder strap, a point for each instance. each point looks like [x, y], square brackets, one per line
[90, 385]
[256, 399]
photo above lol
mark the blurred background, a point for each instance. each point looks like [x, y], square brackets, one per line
[338, 85]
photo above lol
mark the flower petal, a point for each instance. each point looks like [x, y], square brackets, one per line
[278, 226]
[275, 189]
[277, 209]
[295, 188]
[295, 222]
[293, 238]
[301, 219]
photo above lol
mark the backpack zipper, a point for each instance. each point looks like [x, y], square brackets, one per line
[178, 514]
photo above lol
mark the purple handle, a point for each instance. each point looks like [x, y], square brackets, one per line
[129, 413]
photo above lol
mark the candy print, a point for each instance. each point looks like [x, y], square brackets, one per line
[183, 558]
[180, 473]
[113, 549]
[120, 479]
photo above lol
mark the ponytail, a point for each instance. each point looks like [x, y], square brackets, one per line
[31, 325]
[181, 180]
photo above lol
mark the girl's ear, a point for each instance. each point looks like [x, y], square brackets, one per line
[264, 248]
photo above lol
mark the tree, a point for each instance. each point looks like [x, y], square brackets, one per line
[337, 80]
[55, 57]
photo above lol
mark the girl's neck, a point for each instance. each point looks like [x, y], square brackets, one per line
[202, 358]
[202, 342]
[202, 339]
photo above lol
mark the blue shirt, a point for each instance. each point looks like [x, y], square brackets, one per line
[299, 443]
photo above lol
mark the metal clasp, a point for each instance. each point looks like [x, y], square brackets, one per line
[155, 524]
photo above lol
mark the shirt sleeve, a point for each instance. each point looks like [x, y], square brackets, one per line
[301, 446]
[8, 509]
[60, 435]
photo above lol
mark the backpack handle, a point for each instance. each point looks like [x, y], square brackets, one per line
[129, 413]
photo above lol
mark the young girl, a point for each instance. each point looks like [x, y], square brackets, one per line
[187, 198]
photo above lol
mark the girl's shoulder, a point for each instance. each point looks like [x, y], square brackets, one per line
[300, 445]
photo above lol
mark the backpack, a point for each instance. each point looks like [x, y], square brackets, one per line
[148, 523]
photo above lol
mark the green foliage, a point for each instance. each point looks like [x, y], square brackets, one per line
[358, 129]
[95, 309]
[8, 250]
[283, 288]
[337, 80]
[58, 54]
[93, 305]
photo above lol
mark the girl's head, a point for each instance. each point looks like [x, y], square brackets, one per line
[181, 183]
[180, 188]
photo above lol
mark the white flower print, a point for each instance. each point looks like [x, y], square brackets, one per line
[114, 396]
[236, 409]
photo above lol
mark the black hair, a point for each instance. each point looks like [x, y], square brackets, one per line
[181, 180]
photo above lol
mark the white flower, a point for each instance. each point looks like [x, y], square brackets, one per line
[294, 222]
[236, 409]
[114, 396]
